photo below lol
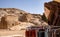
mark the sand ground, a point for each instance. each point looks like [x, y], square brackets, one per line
[8, 33]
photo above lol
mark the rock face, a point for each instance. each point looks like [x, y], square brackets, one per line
[15, 19]
[57, 0]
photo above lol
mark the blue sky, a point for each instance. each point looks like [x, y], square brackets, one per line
[31, 6]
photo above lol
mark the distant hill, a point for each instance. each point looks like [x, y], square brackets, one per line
[11, 17]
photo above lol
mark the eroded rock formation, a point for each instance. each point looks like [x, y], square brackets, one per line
[15, 19]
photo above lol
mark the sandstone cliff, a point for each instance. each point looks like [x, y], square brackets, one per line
[11, 18]
[57, 0]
